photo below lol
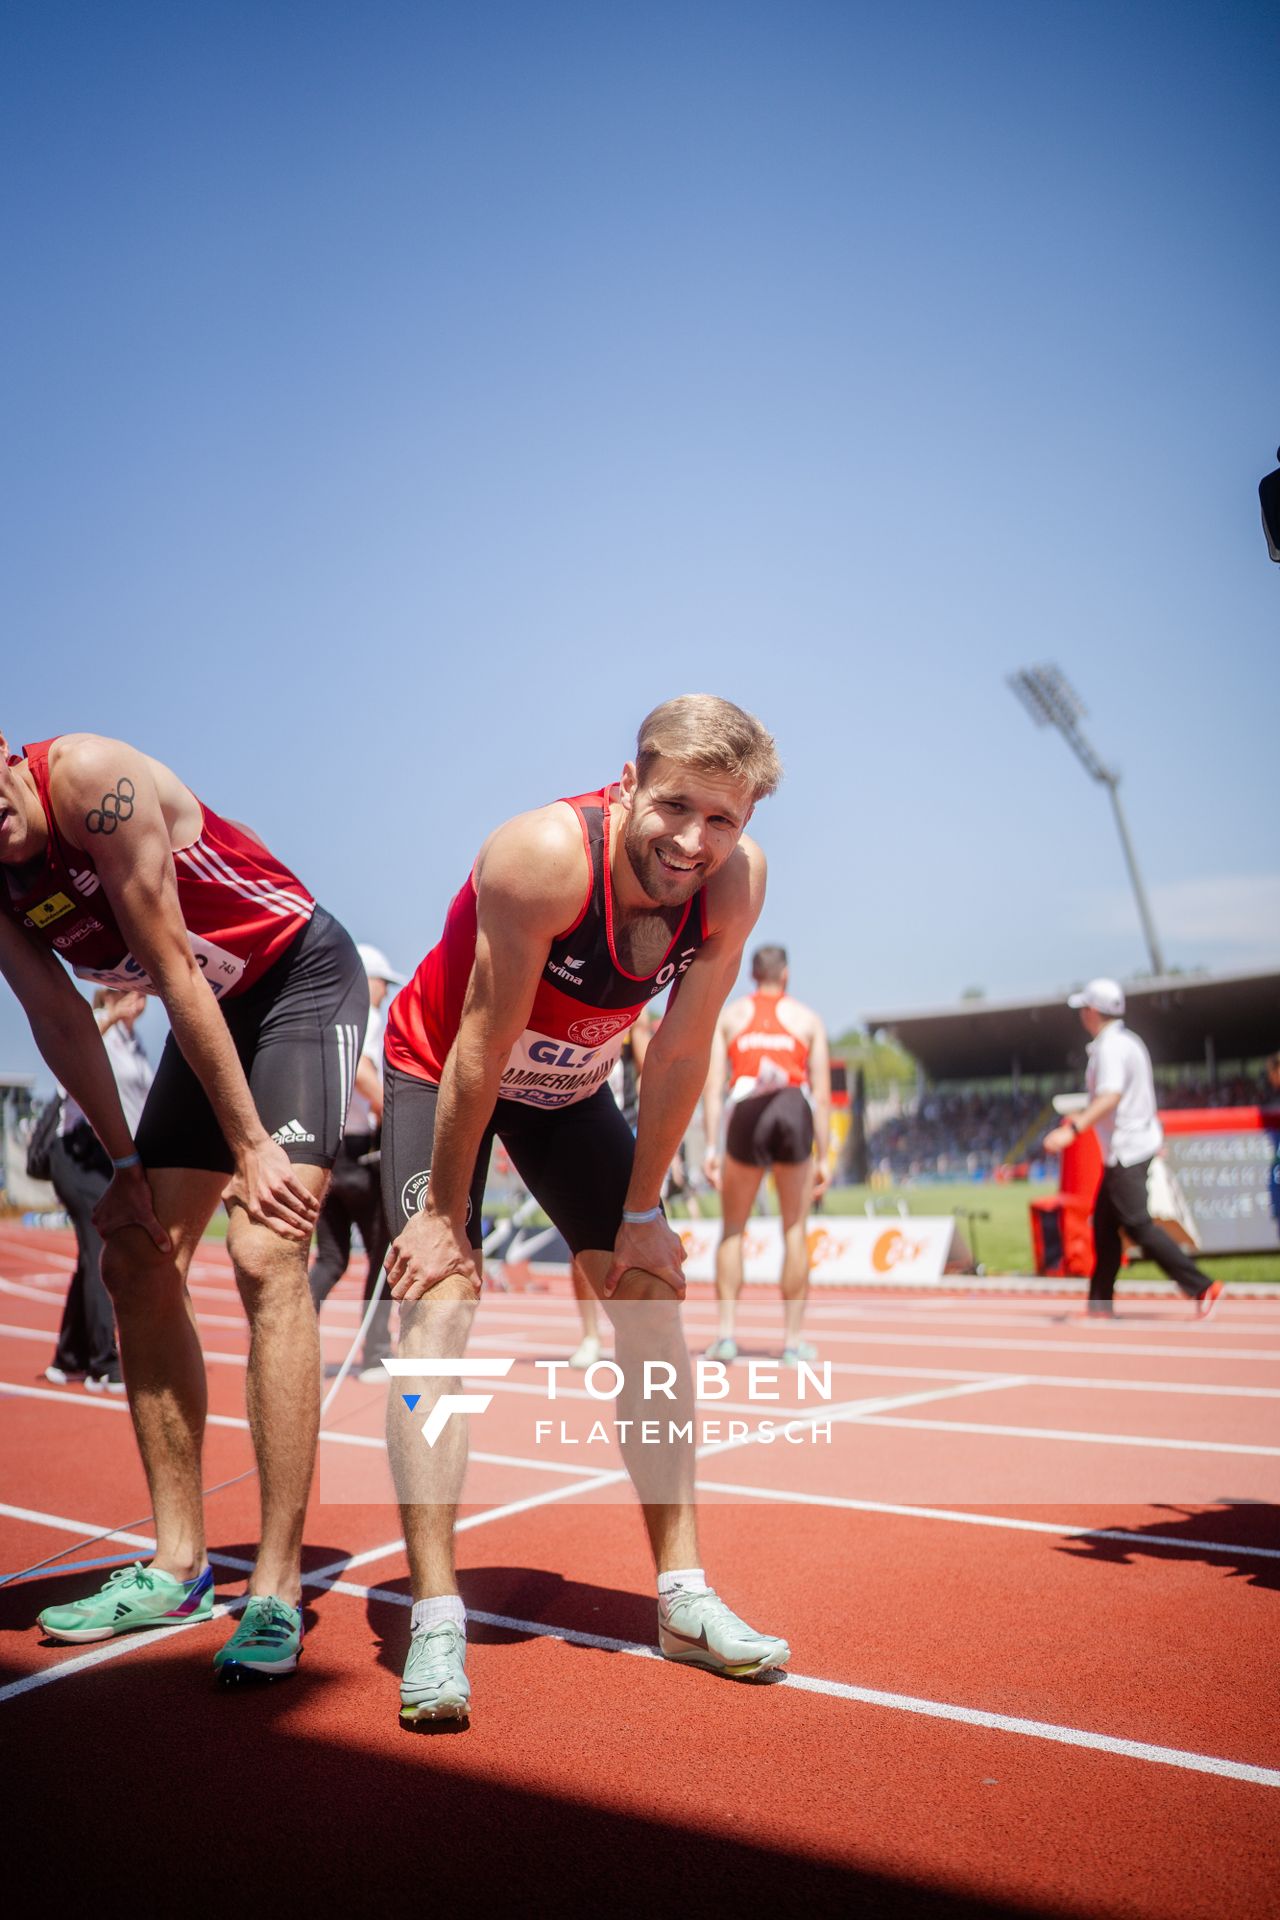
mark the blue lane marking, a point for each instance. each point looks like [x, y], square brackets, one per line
[83, 1566]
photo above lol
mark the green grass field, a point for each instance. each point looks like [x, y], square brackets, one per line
[1003, 1238]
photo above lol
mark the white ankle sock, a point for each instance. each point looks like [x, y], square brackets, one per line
[429, 1613]
[681, 1580]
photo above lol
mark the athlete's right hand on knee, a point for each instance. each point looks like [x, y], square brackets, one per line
[270, 1192]
[429, 1249]
[127, 1202]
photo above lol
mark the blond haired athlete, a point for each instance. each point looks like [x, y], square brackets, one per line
[773, 1052]
[573, 918]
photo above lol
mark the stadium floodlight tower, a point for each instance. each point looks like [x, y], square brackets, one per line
[1052, 701]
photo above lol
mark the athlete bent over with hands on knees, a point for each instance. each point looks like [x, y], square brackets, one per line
[108, 860]
[574, 916]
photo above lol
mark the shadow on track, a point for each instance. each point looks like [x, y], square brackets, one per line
[256, 1799]
[1236, 1523]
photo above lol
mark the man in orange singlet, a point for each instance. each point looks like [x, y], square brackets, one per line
[773, 1051]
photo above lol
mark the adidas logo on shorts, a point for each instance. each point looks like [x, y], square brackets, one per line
[293, 1134]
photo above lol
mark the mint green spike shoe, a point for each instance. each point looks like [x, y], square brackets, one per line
[435, 1684]
[698, 1630]
[266, 1645]
[133, 1597]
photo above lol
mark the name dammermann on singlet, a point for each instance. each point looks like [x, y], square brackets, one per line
[546, 1072]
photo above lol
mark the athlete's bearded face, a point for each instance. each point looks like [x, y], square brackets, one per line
[21, 816]
[682, 825]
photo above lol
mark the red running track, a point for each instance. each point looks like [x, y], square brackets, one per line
[990, 1708]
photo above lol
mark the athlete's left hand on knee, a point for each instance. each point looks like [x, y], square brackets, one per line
[268, 1189]
[653, 1248]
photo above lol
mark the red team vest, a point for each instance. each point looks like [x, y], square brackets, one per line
[241, 907]
[585, 1004]
[766, 1056]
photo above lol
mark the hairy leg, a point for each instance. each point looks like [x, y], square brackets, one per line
[161, 1358]
[282, 1387]
[333, 1245]
[646, 1326]
[795, 1190]
[429, 1479]
[739, 1185]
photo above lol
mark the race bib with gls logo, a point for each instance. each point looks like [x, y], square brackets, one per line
[544, 1072]
[220, 968]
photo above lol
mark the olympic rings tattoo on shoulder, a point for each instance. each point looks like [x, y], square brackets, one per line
[116, 806]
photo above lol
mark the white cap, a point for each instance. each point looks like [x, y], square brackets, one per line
[1104, 996]
[377, 965]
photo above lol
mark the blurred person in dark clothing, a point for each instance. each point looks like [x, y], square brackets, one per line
[80, 1170]
[354, 1198]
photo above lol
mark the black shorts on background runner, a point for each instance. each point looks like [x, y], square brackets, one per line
[575, 1160]
[769, 1128]
[298, 1031]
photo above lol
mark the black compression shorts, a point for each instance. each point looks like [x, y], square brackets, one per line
[575, 1160]
[771, 1128]
[298, 1031]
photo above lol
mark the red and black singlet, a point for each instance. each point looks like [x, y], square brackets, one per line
[240, 905]
[586, 1001]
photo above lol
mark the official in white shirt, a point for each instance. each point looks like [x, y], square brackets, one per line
[1122, 1108]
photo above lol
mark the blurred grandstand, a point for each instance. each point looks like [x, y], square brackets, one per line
[971, 1095]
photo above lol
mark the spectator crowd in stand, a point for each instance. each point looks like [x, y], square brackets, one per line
[967, 1133]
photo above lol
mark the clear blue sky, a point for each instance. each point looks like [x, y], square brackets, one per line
[401, 398]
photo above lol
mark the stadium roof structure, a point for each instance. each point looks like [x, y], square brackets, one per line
[1185, 1019]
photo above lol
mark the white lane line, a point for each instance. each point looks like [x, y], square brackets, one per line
[42, 1294]
[871, 1413]
[857, 1412]
[1092, 1383]
[233, 1320]
[62, 1525]
[110, 1650]
[1096, 1349]
[503, 1309]
[495, 1307]
[1008, 1523]
[1068, 1433]
[374, 1441]
[1108, 1338]
[873, 1697]
[322, 1575]
[1043, 1730]
[212, 1262]
[1098, 1385]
